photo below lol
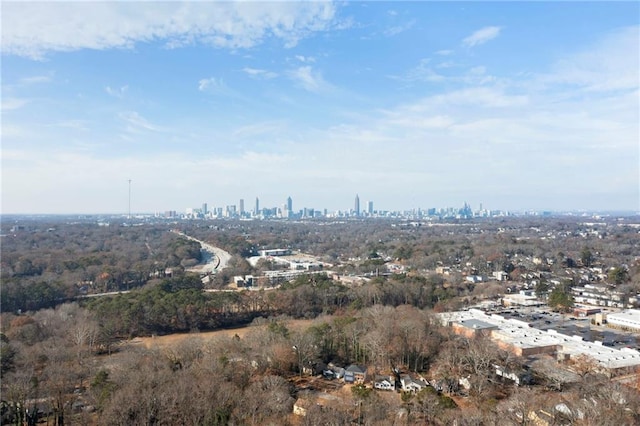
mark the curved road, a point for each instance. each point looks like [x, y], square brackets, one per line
[214, 258]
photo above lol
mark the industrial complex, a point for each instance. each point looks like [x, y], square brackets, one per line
[521, 338]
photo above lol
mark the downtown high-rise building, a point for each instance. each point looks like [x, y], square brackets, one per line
[370, 207]
[356, 207]
[241, 206]
[256, 211]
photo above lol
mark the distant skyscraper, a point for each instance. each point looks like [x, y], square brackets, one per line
[257, 209]
[230, 211]
[356, 207]
[289, 204]
[241, 206]
[204, 209]
[370, 207]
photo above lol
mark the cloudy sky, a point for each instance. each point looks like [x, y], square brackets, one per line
[410, 104]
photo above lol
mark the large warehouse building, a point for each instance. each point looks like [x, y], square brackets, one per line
[628, 319]
[523, 340]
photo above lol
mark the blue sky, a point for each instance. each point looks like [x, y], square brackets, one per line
[410, 104]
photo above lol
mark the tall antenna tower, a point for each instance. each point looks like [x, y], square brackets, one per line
[129, 214]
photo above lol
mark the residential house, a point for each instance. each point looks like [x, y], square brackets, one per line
[501, 275]
[519, 376]
[328, 374]
[338, 372]
[599, 295]
[473, 278]
[412, 384]
[384, 382]
[355, 374]
[314, 369]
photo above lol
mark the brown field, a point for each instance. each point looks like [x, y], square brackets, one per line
[172, 339]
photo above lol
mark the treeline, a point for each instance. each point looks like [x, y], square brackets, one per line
[180, 305]
[51, 263]
[307, 296]
[173, 305]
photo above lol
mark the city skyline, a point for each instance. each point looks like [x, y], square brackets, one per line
[520, 106]
[285, 210]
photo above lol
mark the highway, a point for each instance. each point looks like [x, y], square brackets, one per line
[214, 258]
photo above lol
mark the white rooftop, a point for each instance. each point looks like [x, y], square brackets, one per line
[628, 317]
[521, 334]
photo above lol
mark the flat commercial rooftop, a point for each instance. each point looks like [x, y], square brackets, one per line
[629, 318]
[520, 334]
[476, 324]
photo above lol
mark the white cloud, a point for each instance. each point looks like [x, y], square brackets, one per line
[488, 97]
[481, 36]
[399, 28]
[72, 124]
[9, 104]
[37, 79]
[259, 129]
[217, 87]
[259, 73]
[519, 144]
[422, 72]
[305, 59]
[610, 64]
[477, 76]
[444, 52]
[425, 72]
[430, 122]
[80, 181]
[212, 85]
[519, 137]
[309, 79]
[9, 131]
[136, 123]
[34, 29]
[117, 93]
[446, 64]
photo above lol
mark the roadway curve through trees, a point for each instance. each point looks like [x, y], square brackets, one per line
[213, 258]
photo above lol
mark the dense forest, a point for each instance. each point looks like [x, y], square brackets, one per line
[52, 262]
[71, 359]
